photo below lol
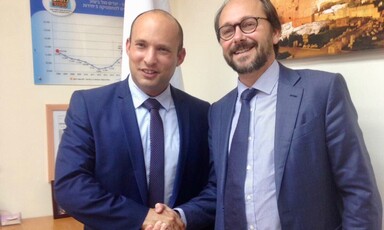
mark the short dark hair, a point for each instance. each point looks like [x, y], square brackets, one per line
[270, 12]
[181, 33]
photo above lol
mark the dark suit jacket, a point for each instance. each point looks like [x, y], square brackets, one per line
[100, 172]
[324, 178]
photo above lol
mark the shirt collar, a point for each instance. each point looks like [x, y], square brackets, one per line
[266, 82]
[138, 96]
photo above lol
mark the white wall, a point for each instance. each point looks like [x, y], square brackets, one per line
[24, 185]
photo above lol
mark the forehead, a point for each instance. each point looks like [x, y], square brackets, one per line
[236, 10]
[155, 25]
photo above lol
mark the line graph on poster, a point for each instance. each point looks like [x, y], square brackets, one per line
[99, 68]
[79, 50]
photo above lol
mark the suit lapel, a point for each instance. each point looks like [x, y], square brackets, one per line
[226, 112]
[132, 134]
[287, 108]
[182, 111]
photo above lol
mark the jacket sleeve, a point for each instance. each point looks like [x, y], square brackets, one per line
[200, 211]
[350, 162]
[76, 189]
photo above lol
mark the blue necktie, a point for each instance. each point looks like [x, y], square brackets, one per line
[234, 202]
[156, 174]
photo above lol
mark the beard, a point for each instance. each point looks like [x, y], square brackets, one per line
[258, 61]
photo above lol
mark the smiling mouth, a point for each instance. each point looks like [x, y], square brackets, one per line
[240, 51]
[149, 71]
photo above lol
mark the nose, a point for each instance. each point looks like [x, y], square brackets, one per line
[239, 35]
[150, 57]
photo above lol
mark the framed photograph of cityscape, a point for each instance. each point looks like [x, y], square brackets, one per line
[329, 27]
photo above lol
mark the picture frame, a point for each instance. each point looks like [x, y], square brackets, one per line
[55, 114]
[326, 28]
[58, 211]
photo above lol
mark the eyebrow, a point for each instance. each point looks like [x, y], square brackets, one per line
[241, 19]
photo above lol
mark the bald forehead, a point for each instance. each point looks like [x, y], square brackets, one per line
[157, 15]
[162, 20]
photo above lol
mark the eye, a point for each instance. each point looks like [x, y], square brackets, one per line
[226, 31]
[140, 45]
[163, 50]
[248, 25]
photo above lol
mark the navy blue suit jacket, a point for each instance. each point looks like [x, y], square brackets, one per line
[324, 178]
[100, 174]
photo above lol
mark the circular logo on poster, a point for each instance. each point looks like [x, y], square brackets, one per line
[60, 7]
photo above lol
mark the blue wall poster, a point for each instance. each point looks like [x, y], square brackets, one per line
[77, 42]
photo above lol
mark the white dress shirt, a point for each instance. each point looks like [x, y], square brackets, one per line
[260, 188]
[171, 133]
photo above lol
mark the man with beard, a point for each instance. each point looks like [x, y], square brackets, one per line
[303, 163]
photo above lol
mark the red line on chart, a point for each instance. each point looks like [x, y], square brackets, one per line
[106, 68]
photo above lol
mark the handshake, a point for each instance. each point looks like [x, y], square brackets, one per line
[162, 217]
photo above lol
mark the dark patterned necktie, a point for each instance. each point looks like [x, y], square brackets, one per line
[234, 202]
[156, 174]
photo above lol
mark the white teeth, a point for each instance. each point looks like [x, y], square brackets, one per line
[241, 51]
[149, 71]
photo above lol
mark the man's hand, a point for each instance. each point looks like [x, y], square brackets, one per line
[162, 218]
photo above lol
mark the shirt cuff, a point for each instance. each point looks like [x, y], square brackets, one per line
[182, 215]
